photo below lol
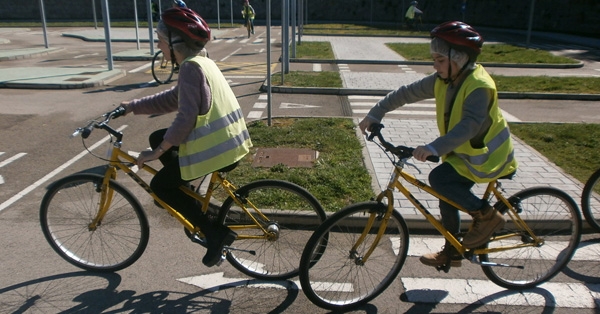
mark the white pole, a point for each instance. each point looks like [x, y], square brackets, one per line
[269, 104]
[43, 16]
[106, 21]
[137, 35]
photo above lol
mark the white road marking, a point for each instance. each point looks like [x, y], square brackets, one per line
[47, 177]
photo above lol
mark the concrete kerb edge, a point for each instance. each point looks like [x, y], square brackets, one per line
[368, 163]
[579, 64]
[31, 55]
[89, 39]
[383, 92]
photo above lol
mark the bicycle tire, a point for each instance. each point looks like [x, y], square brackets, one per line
[293, 215]
[66, 211]
[248, 27]
[590, 201]
[552, 215]
[332, 279]
[162, 70]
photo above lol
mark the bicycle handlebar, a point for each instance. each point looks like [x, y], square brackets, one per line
[102, 123]
[403, 152]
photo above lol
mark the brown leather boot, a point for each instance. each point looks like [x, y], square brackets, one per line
[486, 221]
[448, 254]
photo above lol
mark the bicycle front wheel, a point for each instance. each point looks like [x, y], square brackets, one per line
[291, 214]
[162, 69]
[66, 214]
[590, 200]
[333, 272]
[551, 215]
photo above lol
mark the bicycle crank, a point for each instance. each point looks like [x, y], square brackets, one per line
[474, 260]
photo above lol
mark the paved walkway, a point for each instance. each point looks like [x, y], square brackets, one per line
[534, 169]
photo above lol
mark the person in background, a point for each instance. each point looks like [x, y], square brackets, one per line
[411, 13]
[154, 11]
[248, 15]
[475, 141]
[193, 146]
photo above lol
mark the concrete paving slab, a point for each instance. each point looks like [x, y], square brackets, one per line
[56, 78]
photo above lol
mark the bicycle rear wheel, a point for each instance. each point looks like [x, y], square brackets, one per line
[590, 201]
[69, 207]
[553, 216]
[292, 214]
[162, 69]
[335, 277]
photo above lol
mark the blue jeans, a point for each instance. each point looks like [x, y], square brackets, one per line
[447, 182]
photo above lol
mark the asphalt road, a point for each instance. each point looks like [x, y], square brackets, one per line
[169, 278]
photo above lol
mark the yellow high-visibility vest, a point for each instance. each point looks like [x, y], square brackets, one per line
[220, 137]
[496, 158]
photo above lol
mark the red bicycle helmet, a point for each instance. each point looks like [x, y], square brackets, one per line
[459, 36]
[187, 23]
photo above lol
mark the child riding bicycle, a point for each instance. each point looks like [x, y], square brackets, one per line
[193, 145]
[248, 15]
[475, 143]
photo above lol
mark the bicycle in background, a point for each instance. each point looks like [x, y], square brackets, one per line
[590, 200]
[163, 69]
[95, 223]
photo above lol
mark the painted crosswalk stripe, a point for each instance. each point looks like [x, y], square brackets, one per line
[476, 291]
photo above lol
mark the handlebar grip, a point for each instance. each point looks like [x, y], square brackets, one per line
[375, 129]
[120, 111]
[85, 132]
[432, 158]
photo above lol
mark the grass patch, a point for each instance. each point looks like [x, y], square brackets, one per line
[361, 29]
[573, 147]
[339, 176]
[308, 79]
[315, 50]
[497, 53]
[548, 84]
[516, 84]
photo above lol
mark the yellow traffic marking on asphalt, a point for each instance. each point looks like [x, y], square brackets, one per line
[236, 68]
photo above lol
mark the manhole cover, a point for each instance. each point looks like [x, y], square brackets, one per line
[291, 157]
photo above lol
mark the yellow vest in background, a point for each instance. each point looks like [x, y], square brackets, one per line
[496, 158]
[220, 137]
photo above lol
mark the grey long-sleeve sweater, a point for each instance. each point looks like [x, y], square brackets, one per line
[472, 127]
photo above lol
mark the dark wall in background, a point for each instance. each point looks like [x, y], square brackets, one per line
[581, 17]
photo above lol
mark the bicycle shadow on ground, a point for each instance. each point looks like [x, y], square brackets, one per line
[87, 292]
[507, 301]
[584, 271]
[122, 88]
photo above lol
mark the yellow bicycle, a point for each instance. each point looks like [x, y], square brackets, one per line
[95, 223]
[358, 252]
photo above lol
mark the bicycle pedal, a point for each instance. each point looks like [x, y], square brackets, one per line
[445, 268]
[223, 258]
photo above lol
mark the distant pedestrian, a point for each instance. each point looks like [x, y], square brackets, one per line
[155, 12]
[179, 4]
[248, 15]
[411, 13]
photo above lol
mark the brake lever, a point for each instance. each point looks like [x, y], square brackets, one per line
[412, 165]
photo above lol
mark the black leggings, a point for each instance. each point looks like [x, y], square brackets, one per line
[165, 184]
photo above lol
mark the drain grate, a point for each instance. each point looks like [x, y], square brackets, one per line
[291, 157]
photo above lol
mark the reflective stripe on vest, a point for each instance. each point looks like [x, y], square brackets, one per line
[220, 137]
[496, 158]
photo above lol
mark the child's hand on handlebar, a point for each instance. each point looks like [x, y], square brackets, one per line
[365, 124]
[421, 153]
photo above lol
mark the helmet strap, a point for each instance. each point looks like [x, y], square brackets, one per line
[171, 49]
